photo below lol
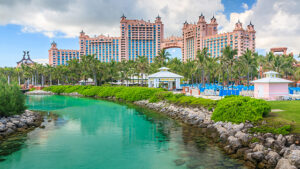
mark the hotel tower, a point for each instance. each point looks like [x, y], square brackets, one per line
[145, 38]
[205, 35]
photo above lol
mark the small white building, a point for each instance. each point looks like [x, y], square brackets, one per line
[164, 79]
[271, 87]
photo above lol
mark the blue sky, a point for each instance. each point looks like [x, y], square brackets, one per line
[18, 33]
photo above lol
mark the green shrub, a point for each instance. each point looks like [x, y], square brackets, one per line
[284, 130]
[238, 109]
[182, 100]
[12, 100]
[32, 89]
[159, 96]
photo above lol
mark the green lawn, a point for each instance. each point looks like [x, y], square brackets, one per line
[289, 115]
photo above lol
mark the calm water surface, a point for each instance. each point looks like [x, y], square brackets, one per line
[93, 134]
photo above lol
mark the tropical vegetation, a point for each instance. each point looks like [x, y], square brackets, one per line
[12, 100]
[226, 69]
[238, 109]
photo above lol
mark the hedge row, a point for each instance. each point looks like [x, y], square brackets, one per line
[235, 109]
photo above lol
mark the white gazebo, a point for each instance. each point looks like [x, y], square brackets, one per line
[165, 78]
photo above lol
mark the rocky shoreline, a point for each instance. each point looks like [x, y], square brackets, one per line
[19, 123]
[258, 150]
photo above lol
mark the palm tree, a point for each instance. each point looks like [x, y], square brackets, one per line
[162, 58]
[228, 59]
[201, 57]
[142, 67]
[249, 62]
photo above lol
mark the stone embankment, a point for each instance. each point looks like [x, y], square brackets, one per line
[258, 150]
[19, 123]
[39, 92]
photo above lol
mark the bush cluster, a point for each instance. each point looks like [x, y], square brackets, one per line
[12, 100]
[238, 109]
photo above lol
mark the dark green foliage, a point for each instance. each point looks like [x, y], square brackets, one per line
[238, 109]
[12, 100]
[284, 130]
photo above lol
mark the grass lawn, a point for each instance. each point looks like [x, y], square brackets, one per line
[289, 115]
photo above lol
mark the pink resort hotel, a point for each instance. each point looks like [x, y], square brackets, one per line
[145, 38]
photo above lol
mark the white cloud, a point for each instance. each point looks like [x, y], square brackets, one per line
[41, 61]
[100, 16]
[276, 22]
[245, 6]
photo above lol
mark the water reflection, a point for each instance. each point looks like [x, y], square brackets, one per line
[101, 134]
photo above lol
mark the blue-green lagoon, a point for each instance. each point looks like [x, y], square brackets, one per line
[84, 133]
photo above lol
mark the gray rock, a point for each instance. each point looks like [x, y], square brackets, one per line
[258, 156]
[248, 157]
[272, 158]
[234, 142]
[2, 127]
[268, 135]
[290, 139]
[294, 157]
[3, 120]
[238, 127]
[16, 122]
[269, 141]
[21, 125]
[242, 136]
[284, 164]
[258, 147]
[10, 125]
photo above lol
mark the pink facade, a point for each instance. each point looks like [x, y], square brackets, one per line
[270, 91]
[205, 35]
[61, 56]
[145, 38]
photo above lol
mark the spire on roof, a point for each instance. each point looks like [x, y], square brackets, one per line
[158, 16]
[123, 16]
[251, 24]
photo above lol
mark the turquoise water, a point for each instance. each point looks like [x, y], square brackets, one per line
[93, 134]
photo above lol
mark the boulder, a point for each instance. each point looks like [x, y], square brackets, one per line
[269, 141]
[266, 135]
[238, 127]
[2, 127]
[290, 139]
[258, 156]
[10, 125]
[294, 157]
[272, 158]
[242, 136]
[258, 147]
[234, 142]
[284, 164]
